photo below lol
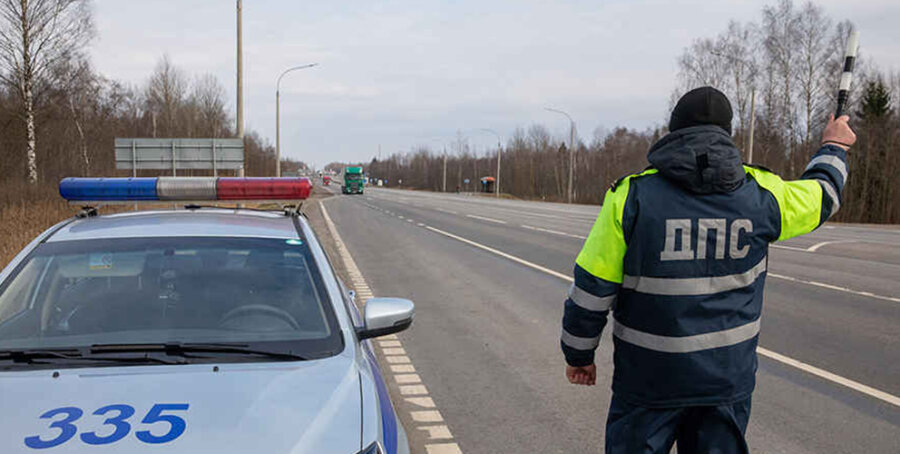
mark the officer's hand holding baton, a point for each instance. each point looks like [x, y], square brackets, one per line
[838, 132]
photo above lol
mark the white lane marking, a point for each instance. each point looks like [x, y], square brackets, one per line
[446, 211]
[398, 359]
[835, 287]
[424, 402]
[502, 254]
[881, 395]
[443, 448]
[485, 219]
[402, 368]
[790, 248]
[421, 225]
[408, 381]
[426, 416]
[413, 390]
[555, 232]
[816, 246]
[437, 432]
[867, 390]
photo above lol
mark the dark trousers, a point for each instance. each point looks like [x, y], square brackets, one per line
[631, 429]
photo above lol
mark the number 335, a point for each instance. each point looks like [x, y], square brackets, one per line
[118, 420]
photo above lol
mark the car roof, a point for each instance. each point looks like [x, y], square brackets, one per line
[208, 222]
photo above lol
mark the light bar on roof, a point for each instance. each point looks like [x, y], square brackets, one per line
[183, 189]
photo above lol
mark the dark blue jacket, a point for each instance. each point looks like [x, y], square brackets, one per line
[679, 256]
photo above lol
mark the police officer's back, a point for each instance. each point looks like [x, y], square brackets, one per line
[679, 256]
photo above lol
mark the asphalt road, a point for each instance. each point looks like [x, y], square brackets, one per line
[485, 339]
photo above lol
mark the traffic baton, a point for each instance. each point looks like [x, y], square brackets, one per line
[847, 76]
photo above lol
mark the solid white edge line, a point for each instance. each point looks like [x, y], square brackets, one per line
[868, 390]
[835, 287]
[502, 254]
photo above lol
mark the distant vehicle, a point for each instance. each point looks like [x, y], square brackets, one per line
[207, 329]
[353, 180]
[326, 180]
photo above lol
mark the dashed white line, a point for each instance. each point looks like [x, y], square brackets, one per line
[859, 387]
[404, 373]
[497, 221]
[554, 232]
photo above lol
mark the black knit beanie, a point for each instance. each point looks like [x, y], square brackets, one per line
[702, 106]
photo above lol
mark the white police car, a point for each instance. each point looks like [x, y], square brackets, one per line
[200, 330]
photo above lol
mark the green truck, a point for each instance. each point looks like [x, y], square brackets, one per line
[353, 180]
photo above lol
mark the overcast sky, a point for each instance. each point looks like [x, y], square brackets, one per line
[405, 73]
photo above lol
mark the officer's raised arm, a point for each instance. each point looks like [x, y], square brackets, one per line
[806, 203]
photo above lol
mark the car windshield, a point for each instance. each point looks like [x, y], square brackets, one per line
[264, 292]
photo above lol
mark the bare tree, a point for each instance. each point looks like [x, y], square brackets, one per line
[35, 36]
[814, 52]
[165, 96]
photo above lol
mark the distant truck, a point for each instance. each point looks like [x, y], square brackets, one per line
[326, 180]
[353, 180]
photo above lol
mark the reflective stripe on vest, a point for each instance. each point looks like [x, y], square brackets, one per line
[694, 285]
[590, 302]
[579, 343]
[686, 344]
[832, 161]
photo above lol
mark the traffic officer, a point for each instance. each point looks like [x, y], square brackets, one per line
[678, 254]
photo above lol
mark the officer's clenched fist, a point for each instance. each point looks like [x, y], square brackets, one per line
[585, 375]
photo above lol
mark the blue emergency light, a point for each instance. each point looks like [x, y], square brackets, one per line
[183, 189]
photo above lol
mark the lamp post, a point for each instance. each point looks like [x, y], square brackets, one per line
[571, 149]
[278, 115]
[499, 151]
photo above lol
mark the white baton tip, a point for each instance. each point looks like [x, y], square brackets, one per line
[845, 81]
[852, 44]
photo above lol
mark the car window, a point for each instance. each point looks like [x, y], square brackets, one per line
[150, 290]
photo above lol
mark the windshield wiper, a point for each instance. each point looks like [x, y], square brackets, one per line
[56, 356]
[189, 350]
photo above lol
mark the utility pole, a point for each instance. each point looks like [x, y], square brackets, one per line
[752, 126]
[240, 80]
[499, 150]
[445, 169]
[278, 116]
[571, 151]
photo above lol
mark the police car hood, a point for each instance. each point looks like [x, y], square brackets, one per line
[272, 408]
[702, 159]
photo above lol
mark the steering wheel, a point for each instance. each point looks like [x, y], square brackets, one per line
[260, 309]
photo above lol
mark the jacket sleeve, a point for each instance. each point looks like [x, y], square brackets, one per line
[807, 203]
[598, 276]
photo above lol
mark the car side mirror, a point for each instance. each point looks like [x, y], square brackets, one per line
[385, 316]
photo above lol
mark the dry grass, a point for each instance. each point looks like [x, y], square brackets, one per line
[25, 212]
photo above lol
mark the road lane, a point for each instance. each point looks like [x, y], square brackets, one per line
[803, 327]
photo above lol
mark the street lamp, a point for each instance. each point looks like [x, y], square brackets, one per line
[571, 148]
[278, 116]
[499, 150]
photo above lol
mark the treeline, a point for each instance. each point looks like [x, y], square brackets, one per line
[781, 71]
[59, 116]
